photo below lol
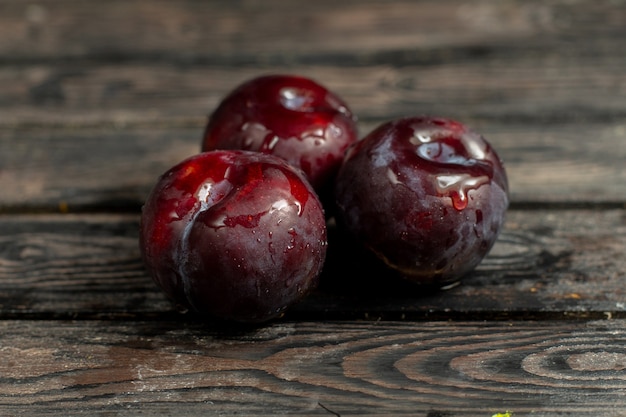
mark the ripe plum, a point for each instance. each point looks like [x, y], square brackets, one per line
[426, 195]
[289, 116]
[239, 235]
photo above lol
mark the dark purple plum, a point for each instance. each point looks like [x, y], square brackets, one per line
[238, 235]
[289, 116]
[426, 195]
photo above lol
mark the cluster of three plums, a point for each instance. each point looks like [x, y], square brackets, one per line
[239, 230]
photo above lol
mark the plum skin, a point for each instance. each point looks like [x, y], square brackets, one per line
[426, 195]
[289, 116]
[234, 234]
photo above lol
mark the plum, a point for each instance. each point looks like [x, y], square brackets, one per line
[238, 235]
[426, 195]
[289, 116]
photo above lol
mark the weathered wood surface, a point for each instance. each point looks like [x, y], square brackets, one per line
[547, 263]
[115, 167]
[98, 99]
[129, 30]
[543, 88]
[312, 368]
[120, 106]
[130, 61]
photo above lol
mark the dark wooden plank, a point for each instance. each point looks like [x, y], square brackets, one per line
[74, 264]
[547, 263]
[562, 162]
[389, 368]
[69, 28]
[115, 167]
[539, 89]
[99, 168]
[512, 60]
[252, 32]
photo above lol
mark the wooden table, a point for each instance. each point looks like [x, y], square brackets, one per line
[99, 98]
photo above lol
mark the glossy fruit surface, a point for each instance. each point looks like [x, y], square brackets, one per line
[426, 195]
[239, 235]
[292, 117]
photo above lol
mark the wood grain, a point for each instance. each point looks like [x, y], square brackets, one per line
[420, 369]
[60, 62]
[99, 169]
[545, 264]
[525, 87]
[97, 100]
[88, 119]
[114, 168]
[252, 31]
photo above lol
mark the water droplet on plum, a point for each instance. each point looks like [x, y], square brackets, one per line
[295, 99]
